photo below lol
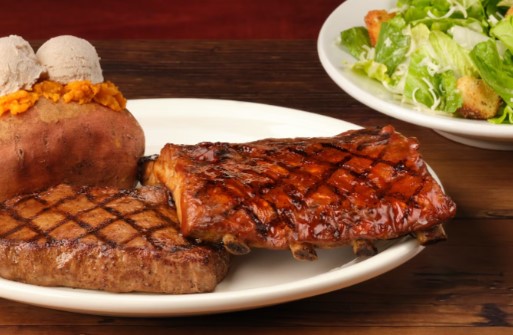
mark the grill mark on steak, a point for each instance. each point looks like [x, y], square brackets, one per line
[28, 222]
[104, 239]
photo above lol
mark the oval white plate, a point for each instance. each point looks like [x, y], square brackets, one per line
[259, 279]
[371, 93]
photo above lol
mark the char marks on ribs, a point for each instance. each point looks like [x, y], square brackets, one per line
[304, 193]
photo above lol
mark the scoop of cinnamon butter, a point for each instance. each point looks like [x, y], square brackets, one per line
[19, 67]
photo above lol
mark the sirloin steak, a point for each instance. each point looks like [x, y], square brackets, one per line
[104, 238]
[304, 193]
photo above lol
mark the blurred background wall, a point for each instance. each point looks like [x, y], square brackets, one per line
[166, 19]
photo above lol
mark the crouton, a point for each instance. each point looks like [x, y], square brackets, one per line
[479, 99]
[373, 21]
[509, 12]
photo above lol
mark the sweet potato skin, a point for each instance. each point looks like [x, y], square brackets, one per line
[77, 144]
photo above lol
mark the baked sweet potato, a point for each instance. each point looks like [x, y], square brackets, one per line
[77, 144]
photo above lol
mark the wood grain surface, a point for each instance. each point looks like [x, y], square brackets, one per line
[461, 286]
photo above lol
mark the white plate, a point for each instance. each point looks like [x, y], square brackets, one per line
[259, 279]
[371, 93]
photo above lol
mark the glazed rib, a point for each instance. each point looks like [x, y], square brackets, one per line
[104, 239]
[303, 193]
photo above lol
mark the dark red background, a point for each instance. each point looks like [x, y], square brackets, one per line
[167, 19]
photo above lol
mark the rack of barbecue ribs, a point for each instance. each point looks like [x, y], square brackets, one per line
[304, 193]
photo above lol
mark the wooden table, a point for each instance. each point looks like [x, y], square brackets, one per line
[462, 286]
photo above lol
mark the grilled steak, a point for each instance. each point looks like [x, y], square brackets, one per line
[304, 193]
[104, 239]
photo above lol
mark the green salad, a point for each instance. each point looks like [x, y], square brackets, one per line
[426, 49]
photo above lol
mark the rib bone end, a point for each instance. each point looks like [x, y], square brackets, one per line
[432, 235]
[303, 251]
[364, 248]
[235, 246]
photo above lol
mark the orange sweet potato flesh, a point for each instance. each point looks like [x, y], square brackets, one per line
[83, 91]
[77, 144]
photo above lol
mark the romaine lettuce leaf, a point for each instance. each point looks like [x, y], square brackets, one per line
[493, 70]
[451, 55]
[505, 116]
[451, 99]
[507, 59]
[466, 37]
[504, 3]
[392, 44]
[373, 70]
[504, 32]
[435, 90]
[420, 35]
[414, 10]
[356, 40]
[420, 83]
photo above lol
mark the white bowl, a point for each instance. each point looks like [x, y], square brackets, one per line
[477, 133]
